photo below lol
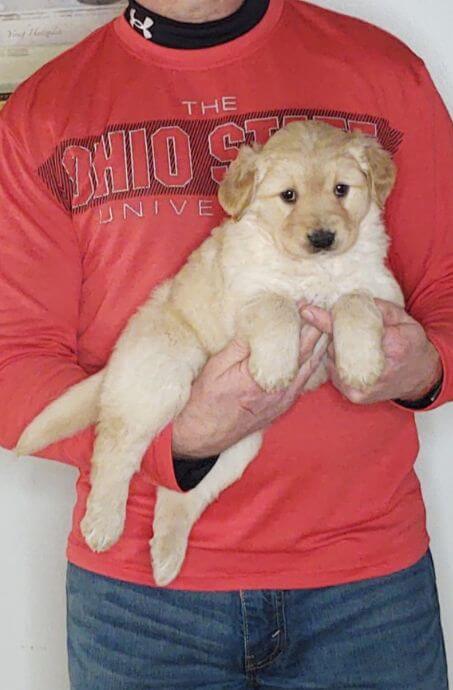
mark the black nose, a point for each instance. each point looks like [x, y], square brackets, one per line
[321, 239]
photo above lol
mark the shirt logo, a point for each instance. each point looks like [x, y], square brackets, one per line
[144, 26]
[181, 157]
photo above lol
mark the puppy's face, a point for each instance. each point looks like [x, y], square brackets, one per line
[310, 186]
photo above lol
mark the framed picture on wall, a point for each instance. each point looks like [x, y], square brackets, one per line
[32, 32]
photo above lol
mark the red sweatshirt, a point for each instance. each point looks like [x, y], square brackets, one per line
[111, 157]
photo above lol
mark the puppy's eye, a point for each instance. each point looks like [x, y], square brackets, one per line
[289, 195]
[341, 190]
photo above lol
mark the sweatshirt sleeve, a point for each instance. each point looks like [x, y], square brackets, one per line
[420, 218]
[40, 288]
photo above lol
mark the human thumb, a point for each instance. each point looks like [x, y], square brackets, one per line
[234, 353]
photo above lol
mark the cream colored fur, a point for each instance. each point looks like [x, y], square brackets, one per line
[244, 280]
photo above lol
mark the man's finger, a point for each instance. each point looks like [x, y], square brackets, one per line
[309, 336]
[302, 304]
[318, 317]
[307, 369]
[331, 368]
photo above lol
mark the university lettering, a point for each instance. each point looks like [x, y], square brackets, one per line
[178, 157]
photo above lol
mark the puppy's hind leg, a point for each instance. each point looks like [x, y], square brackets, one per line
[145, 387]
[175, 513]
[118, 451]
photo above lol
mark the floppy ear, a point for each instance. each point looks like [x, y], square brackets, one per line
[381, 171]
[238, 186]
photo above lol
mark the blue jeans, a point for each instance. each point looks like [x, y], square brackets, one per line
[378, 634]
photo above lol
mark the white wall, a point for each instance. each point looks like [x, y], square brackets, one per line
[425, 27]
[36, 497]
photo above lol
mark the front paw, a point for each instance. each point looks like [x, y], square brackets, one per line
[273, 364]
[360, 366]
[357, 336]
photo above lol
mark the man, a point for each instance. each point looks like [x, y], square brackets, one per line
[313, 570]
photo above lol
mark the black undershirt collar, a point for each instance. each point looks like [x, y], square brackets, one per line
[189, 36]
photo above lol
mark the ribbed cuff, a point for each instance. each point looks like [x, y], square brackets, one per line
[439, 394]
[424, 402]
[189, 472]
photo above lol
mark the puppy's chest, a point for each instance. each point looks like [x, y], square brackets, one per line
[320, 284]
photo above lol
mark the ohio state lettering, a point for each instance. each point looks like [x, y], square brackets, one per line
[181, 157]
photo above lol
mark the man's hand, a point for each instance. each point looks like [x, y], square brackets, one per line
[226, 404]
[412, 367]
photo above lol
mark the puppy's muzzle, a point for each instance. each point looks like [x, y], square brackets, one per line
[321, 239]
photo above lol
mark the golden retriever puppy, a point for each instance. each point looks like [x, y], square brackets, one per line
[305, 223]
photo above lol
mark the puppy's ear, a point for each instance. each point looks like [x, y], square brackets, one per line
[238, 186]
[381, 171]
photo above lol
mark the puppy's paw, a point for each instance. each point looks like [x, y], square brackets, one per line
[102, 526]
[174, 516]
[168, 551]
[357, 335]
[360, 366]
[274, 364]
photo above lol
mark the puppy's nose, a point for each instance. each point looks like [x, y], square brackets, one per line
[321, 239]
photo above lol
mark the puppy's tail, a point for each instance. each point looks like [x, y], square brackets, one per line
[76, 409]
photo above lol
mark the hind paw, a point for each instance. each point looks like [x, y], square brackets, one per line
[102, 528]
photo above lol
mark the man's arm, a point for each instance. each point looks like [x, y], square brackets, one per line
[40, 279]
[40, 292]
[421, 211]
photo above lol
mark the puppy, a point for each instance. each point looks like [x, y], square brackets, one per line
[305, 223]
